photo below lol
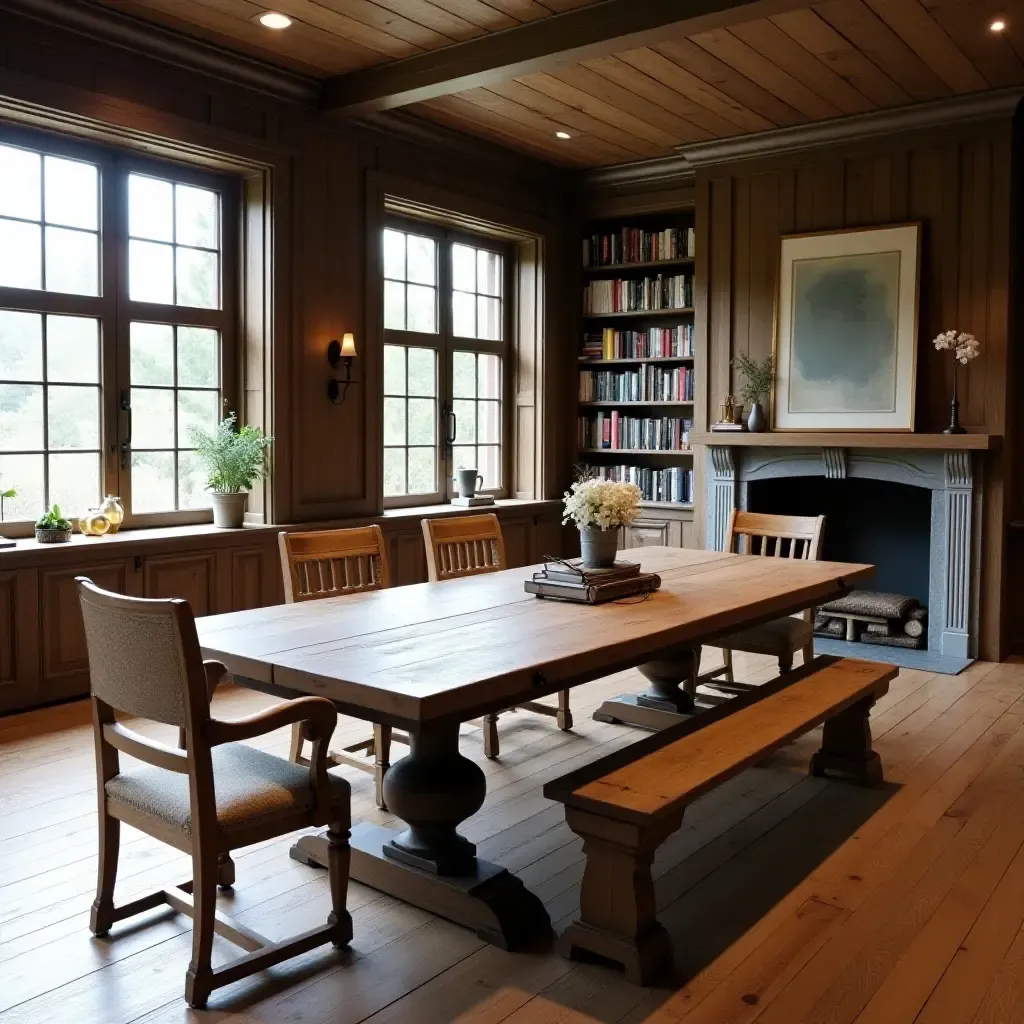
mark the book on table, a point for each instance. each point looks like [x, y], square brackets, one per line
[584, 592]
[571, 570]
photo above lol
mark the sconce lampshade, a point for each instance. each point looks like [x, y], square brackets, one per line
[348, 345]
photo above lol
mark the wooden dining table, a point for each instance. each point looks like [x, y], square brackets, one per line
[431, 656]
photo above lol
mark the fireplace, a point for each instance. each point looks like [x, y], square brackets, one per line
[909, 512]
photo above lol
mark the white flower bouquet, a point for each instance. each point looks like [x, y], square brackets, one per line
[964, 346]
[601, 504]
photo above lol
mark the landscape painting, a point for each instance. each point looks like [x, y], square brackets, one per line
[846, 332]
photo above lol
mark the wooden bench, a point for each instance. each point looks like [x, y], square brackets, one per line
[627, 804]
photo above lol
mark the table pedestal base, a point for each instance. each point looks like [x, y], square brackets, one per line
[490, 900]
[663, 703]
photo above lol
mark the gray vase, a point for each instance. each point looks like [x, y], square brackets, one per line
[756, 422]
[598, 547]
[228, 508]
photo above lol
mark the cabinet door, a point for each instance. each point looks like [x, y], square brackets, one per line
[190, 575]
[255, 578]
[62, 636]
[648, 533]
[19, 639]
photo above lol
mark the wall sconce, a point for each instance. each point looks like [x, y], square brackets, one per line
[344, 353]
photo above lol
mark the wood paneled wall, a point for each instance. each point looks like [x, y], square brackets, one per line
[959, 184]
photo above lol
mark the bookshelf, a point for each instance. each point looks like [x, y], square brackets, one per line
[635, 400]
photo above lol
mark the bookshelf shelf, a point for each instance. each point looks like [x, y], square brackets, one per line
[681, 311]
[618, 362]
[673, 452]
[617, 405]
[683, 261]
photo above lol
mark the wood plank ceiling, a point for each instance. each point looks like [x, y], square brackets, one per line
[830, 59]
[815, 62]
[331, 37]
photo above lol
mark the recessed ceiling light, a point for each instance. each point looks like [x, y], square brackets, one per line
[997, 26]
[562, 135]
[274, 19]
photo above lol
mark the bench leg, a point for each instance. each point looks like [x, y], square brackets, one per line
[846, 745]
[617, 909]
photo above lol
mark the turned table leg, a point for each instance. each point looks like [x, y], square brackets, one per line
[433, 790]
[427, 863]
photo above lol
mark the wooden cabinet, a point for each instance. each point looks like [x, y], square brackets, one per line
[61, 633]
[660, 526]
[19, 639]
[191, 576]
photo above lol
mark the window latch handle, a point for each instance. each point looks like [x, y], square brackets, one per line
[126, 443]
[450, 425]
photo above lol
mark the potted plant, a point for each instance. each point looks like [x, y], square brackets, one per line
[599, 508]
[52, 527]
[234, 461]
[757, 385]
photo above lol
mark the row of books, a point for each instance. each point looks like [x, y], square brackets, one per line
[653, 343]
[672, 484]
[634, 295]
[646, 384]
[634, 245]
[615, 431]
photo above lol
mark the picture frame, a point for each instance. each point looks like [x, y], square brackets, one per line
[846, 330]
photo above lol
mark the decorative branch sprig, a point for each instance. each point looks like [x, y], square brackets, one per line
[758, 377]
[965, 347]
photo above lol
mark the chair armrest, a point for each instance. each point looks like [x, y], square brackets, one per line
[316, 713]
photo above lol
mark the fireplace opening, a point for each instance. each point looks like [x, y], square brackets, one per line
[883, 523]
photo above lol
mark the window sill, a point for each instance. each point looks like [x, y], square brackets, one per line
[164, 537]
[447, 509]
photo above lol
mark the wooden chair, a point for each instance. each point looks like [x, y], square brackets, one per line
[772, 537]
[333, 563]
[210, 795]
[468, 546]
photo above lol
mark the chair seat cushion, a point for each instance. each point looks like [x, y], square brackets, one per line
[788, 634]
[253, 788]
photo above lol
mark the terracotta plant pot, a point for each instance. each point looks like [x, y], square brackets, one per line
[229, 509]
[598, 547]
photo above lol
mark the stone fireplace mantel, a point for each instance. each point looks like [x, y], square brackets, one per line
[943, 464]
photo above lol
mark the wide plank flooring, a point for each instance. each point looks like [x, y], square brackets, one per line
[789, 899]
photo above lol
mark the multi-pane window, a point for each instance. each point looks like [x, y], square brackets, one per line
[444, 362]
[49, 222]
[50, 411]
[113, 327]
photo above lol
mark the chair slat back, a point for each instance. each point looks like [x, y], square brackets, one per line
[331, 563]
[144, 656]
[463, 546]
[771, 536]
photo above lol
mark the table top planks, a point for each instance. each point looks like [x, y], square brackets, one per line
[452, 649]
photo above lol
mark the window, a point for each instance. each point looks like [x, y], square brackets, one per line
[115, 325]
[445, 355]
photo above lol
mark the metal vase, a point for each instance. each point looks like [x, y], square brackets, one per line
[598, 547]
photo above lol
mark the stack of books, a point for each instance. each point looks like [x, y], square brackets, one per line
[569, 581]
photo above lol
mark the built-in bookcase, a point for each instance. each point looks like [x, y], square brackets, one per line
[636, 355]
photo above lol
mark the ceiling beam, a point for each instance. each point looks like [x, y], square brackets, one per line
[605, 27]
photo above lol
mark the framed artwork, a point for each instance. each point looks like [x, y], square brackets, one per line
[846, 330]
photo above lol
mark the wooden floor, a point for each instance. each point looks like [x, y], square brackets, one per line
[790, 899]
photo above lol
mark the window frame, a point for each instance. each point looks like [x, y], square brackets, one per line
[445, 343]
[114, 310]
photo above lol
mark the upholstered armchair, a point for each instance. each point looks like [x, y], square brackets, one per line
[210, 795]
